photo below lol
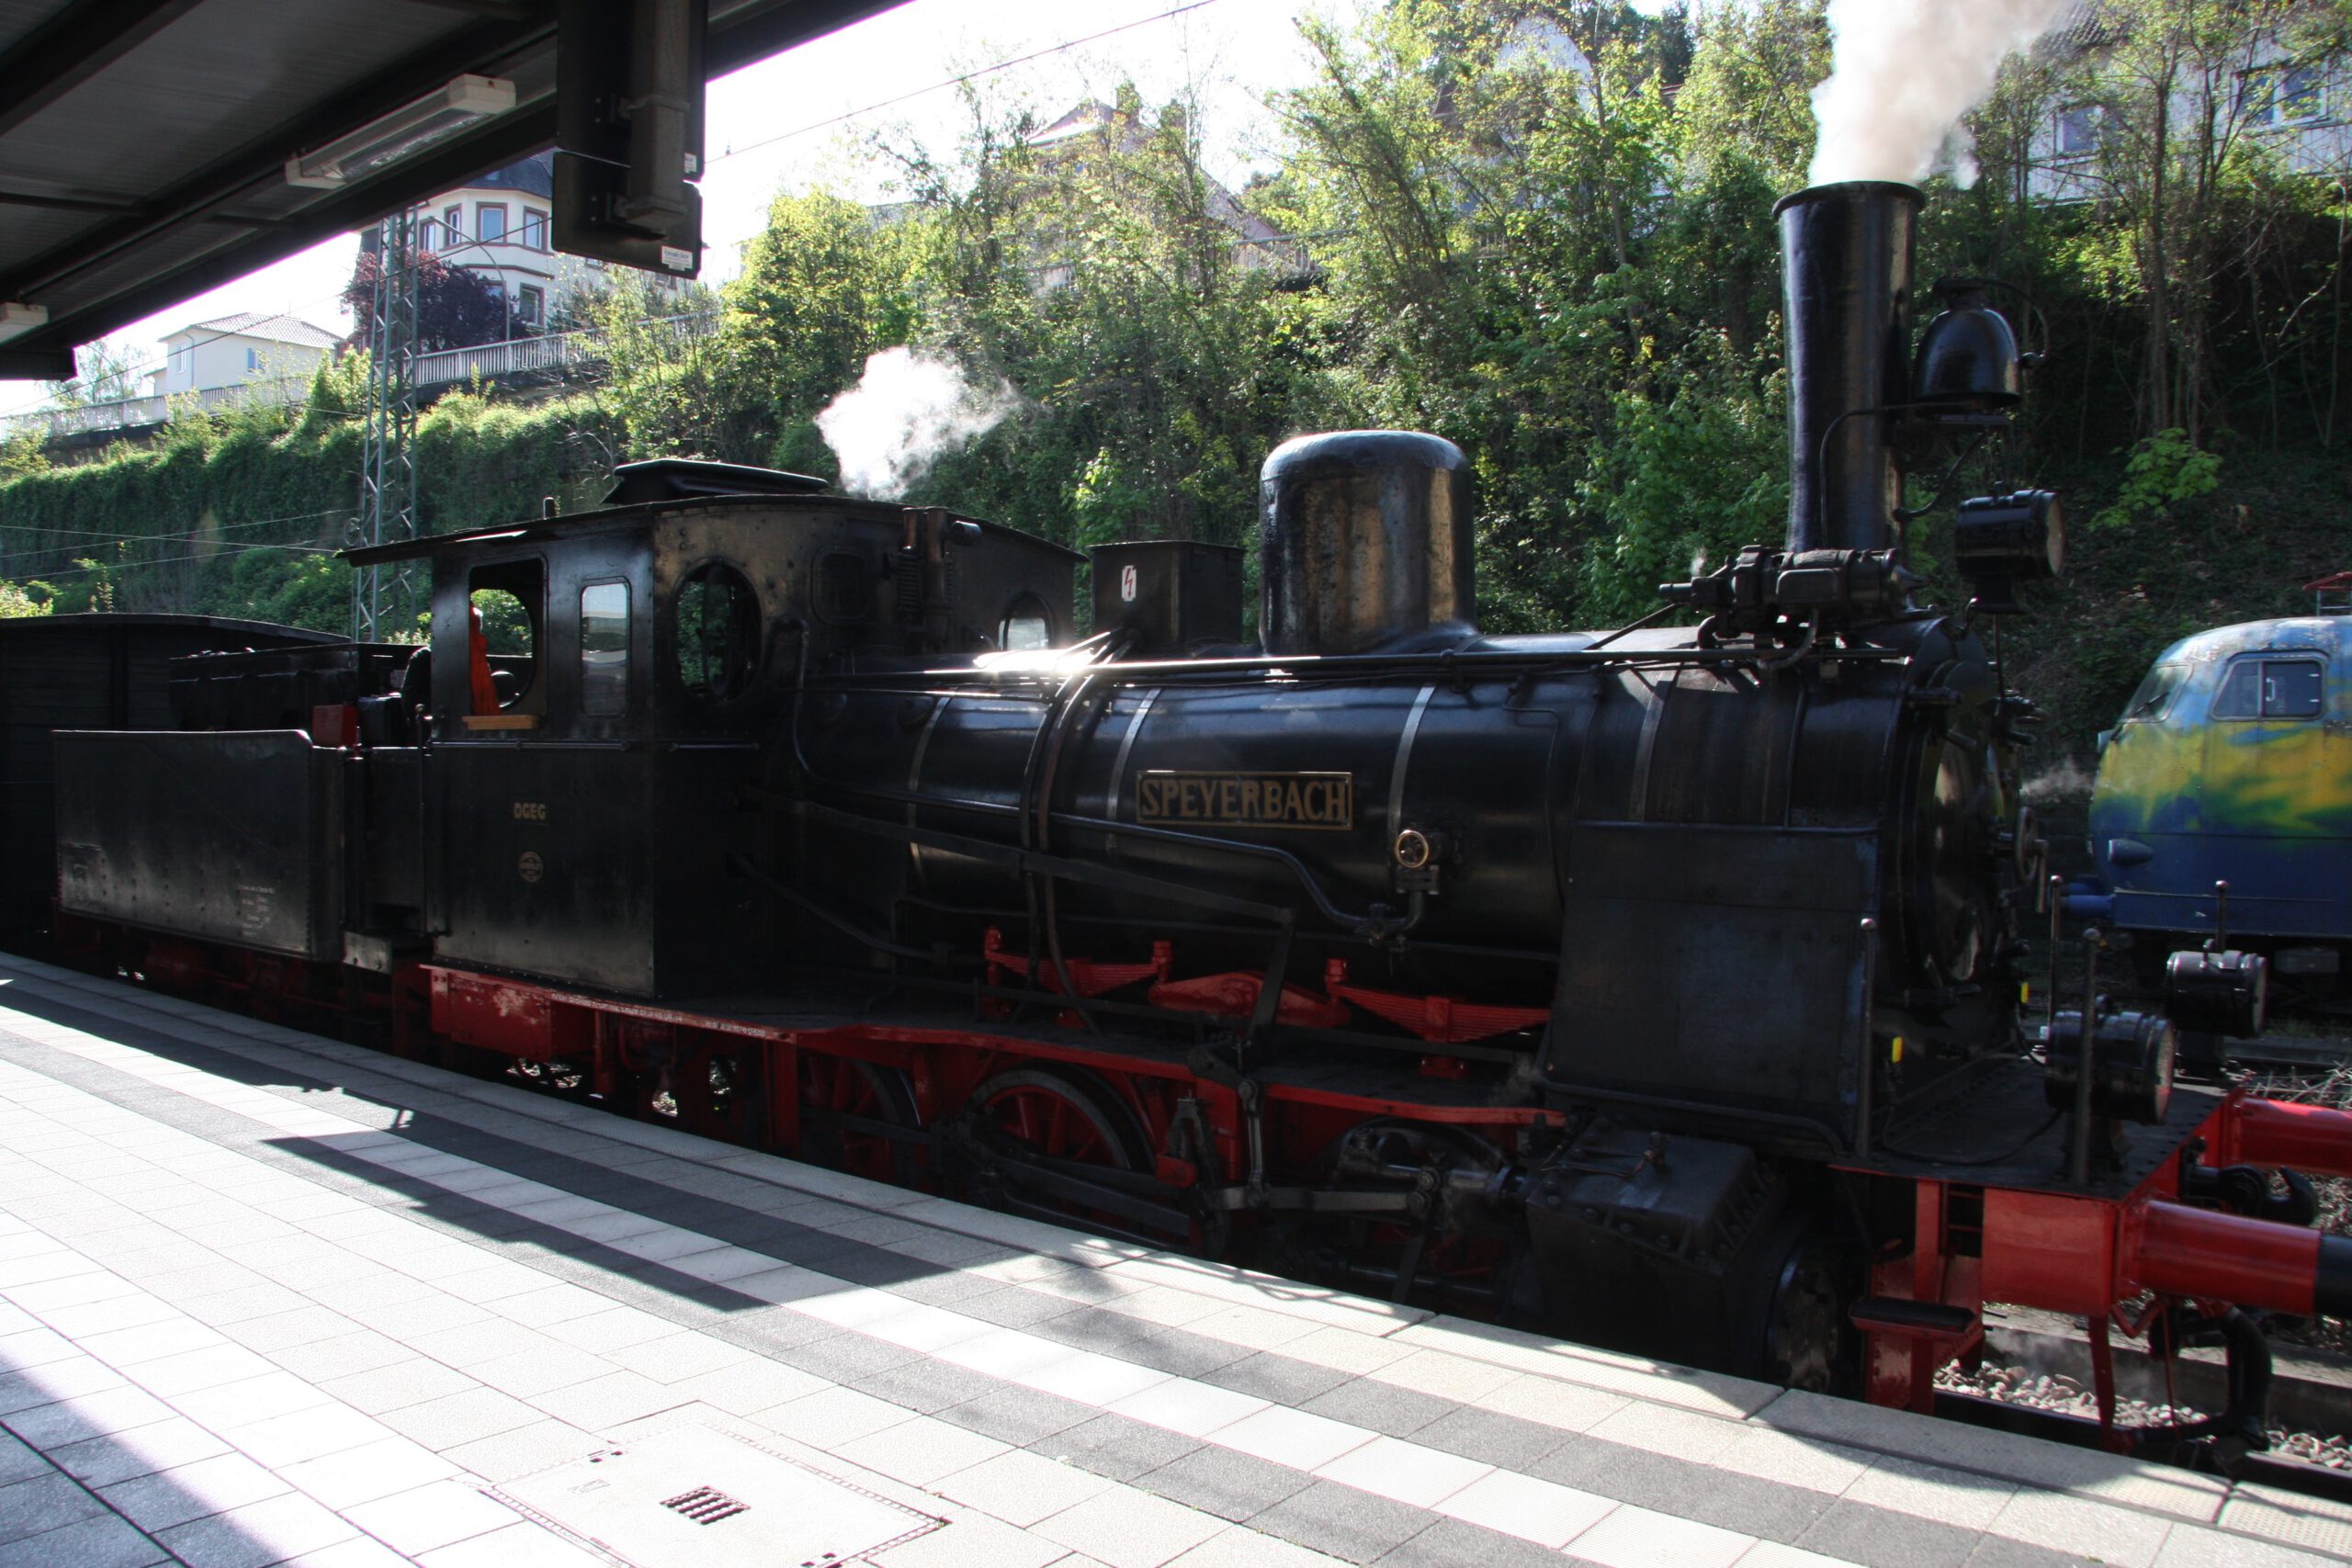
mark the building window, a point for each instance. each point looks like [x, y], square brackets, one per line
[533, 308]
[453, 222]
[2302, 92]
[252, 359]
[490, 222]
[535, 229]
[428, 235]
[2082, 130]
[2283, 94]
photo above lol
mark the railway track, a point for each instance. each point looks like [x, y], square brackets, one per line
[2286, 1474]
[2035, 1379]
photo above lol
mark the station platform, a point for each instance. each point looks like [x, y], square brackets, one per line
[265, 1298]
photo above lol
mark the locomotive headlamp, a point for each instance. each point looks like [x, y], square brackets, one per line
[1968, 357]
[2219, 992]
[1999, 541]
[2131, 1070]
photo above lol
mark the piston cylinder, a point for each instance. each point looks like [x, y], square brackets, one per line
[1365, 544]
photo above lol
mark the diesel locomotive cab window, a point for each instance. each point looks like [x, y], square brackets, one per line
[717, 632]
[2154, 695]
[604, 648]
[2272, 688]
[1025, 626]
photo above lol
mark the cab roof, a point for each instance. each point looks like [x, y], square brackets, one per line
[2330, 634]
[608, 519]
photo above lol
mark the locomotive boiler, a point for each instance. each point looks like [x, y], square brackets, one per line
[1658, 987]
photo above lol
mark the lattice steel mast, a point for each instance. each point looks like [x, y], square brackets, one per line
[384, 599]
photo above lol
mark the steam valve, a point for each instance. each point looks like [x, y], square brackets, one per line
[2002, 540]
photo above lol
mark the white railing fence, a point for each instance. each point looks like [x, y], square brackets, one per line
[561, 356]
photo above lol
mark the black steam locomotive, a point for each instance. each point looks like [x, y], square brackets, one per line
[1658, 987]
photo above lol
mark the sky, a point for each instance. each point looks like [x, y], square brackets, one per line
[1230, 54]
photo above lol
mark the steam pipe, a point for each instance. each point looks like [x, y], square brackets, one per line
[2207, 1254]
[1846, 259]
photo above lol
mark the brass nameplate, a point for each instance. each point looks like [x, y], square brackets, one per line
[1171, 799]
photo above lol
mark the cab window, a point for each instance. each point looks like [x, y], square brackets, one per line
[604, 649]
[1025, 626]
[717, 632]
[2154, 696]
[504, 604]
[2272, 688]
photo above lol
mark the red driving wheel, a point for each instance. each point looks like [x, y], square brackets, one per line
[833, 1087]
[1063, 1114]
[1063, 1117]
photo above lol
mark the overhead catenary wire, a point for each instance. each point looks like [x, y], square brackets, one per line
[958, 81]
[7, 527]
[80, 569]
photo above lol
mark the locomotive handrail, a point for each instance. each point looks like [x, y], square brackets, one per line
[1413, 664]
[1029, 861]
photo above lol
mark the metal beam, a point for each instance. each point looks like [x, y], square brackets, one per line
[508, 10]
[750, 32]
[754, 32]
[263, 159]
[507, 139]
[63, 203]
[37, 363]
[74, 45]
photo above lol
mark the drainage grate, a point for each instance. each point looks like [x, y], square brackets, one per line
[705, 1504]
[651, 1503]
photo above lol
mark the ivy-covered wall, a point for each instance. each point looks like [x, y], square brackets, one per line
[243, 515]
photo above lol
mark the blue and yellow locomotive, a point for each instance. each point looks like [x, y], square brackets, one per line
[2232, 768]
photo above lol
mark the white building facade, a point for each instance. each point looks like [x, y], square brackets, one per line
[500, 227]
[2295, 111]
[241, 351]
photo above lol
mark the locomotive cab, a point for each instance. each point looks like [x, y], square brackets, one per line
[590, 672]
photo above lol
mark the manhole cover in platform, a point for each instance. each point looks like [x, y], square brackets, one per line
[691, 1497]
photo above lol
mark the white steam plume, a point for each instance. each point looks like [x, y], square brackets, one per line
[906, 411]
[1906, 71]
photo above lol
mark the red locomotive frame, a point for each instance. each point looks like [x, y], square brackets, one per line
[2114, 1261]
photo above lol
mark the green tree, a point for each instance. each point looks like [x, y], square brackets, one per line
[1750, 87]
[106, 371]
[823, 285]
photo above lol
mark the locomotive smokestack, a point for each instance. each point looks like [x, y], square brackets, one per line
[1846, 260]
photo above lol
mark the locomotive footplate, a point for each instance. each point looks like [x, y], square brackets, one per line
[1971, 1124]
[2175, 1227]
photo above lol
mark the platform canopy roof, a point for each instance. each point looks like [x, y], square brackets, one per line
[144, 143]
